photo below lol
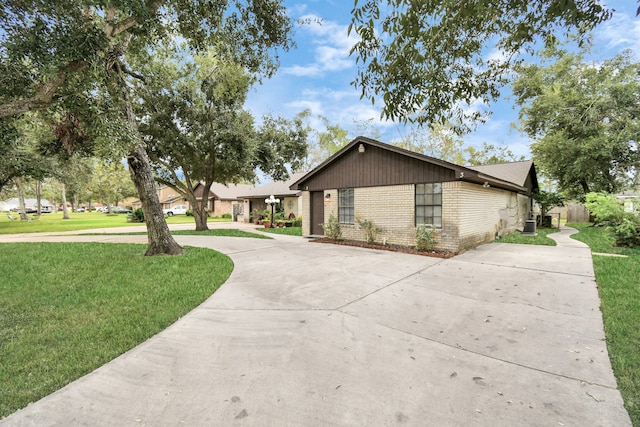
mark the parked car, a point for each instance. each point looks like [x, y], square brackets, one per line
[119, 210]
[176, 210]
[80, 210]
[102, 209]
[27, 209]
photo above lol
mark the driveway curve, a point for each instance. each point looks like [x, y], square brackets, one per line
[309, 334]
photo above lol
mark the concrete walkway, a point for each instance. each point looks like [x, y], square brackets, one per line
[308, 334]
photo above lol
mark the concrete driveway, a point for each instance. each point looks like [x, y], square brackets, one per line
[308, 334]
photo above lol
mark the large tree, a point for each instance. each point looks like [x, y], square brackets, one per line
[325, 140]
[427, 60]
[584, 119]
[198, 133]
[63, 52]
[442, 142]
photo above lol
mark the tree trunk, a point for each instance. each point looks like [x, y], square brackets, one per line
[39, 197]
[23, 211]
[200, 214]
[65, 211]
[161, 242]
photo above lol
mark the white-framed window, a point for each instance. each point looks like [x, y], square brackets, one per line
[429, 204]
[346, 210]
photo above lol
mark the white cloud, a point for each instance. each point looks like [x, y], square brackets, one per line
[621, 32]
[303, 71]
[332, 47]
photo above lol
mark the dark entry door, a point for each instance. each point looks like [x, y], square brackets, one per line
[317, 212]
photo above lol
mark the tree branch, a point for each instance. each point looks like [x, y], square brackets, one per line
[45, 93]
[113, 29]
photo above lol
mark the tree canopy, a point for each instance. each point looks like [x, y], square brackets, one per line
[198, 133]
[427, 60]
[442, 142]
[66, 54]
[584, 119]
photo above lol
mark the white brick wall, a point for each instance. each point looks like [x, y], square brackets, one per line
[471, 214]
[306, 213]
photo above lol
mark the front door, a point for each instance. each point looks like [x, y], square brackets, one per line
[317, 212]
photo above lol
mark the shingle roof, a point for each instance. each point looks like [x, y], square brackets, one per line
[230, 191]
[515, 172]
[276, 188]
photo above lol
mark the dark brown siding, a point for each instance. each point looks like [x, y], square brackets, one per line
[376, 167]
[317, 212]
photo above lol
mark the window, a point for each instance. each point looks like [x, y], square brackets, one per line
[345, 206]
[429, 204]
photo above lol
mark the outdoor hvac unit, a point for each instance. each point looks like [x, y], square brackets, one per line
[530, 227]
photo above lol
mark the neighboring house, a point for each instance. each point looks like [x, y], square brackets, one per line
[168, 198]
[31, 205]
[630, 199]
[398, 190]
[224, 199]
[289, 199]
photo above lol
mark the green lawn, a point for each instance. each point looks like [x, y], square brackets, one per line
[289, 231]
[539, 239]
[226, 232]
[68, 308]
[53, 222]
[619, 287]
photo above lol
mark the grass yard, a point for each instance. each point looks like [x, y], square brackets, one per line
[288, 231]
[226, 232]
[53, 222]
[539, 239]
[619, 287]
[68, 308]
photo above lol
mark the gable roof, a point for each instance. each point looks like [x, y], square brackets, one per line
[229, 191]
[462, 173]
[223, 191]
[516, 172]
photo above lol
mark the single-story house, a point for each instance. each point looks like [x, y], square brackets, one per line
[289, 198]
[399, 190]
[224, 199]
[31, 205]
[168, 198]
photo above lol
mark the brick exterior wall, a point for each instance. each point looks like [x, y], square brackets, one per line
[220, 207]
[391, 208]
[471, 214]
[306, 213]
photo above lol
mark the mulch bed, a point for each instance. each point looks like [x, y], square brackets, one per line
[392, 248]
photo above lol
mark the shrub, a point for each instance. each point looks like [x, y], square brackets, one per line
[189, 212]
[332, 228]
[608, 210]
[370, 229]
[424, 238]
[226, 215]
[627, 233]
[297, 222]
[136, 216]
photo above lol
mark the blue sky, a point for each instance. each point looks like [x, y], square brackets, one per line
[318, 73]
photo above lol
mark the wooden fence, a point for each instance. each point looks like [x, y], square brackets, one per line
[576, 212]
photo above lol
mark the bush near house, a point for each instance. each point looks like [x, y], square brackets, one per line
[332, 228]
[370, 229]
[424, 238]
